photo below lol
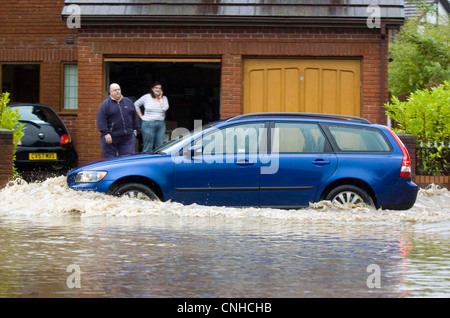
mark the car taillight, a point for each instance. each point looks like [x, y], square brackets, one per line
[65, 139]
[405, 171]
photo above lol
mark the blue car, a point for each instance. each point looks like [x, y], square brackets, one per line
[279, 160]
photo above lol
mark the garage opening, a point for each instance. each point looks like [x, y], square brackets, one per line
[192, 86]
[21, 81]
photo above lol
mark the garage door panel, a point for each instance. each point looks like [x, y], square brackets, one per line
[255, 100]
[311, 92]
[330, 90]
[347, 93]
[301, 85]
[274, 89]
[291, 90]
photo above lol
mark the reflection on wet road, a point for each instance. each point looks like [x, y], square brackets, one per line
[130, 248]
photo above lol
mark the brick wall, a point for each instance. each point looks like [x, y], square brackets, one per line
[410, 143]
[6, 156]
[33, 32]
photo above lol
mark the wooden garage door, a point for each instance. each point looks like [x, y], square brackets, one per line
[288, 85]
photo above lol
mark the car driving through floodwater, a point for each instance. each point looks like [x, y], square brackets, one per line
[281, 160]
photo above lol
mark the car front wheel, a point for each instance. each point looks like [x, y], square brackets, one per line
[137, 191]
[348, 194]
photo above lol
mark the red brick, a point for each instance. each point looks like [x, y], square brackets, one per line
[42, 40]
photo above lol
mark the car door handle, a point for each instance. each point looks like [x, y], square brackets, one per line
[321, 162]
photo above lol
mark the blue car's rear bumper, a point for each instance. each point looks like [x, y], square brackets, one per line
[402, 196]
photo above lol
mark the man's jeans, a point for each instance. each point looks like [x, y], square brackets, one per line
[153, 133]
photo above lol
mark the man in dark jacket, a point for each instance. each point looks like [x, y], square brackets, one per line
[118, 123]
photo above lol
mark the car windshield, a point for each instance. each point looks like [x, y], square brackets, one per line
[175, 142]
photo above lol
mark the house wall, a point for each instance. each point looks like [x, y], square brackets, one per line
[232, 45]
[34, 32]
[40, 37]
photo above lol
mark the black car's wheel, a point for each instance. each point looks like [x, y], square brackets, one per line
[137, 191]
[348, 194]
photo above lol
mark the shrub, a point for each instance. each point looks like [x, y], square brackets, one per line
[9, 119]
[426, 114]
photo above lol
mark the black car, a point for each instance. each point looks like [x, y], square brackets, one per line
[46, 142]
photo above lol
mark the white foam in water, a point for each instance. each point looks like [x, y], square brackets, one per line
[54, 197]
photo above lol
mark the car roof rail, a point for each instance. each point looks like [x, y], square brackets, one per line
[308, 115]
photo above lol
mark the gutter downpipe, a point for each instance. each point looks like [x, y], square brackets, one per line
[383, 61]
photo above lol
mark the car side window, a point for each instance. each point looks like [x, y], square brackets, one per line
[359, 139]
[237, 139]
[297, 138]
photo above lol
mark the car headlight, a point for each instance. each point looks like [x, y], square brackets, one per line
[90, 176]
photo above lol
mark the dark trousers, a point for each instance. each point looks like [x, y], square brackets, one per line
[120, 146]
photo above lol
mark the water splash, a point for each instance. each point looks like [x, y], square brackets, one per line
[53, 197]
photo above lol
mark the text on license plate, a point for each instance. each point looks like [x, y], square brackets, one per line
[43, 156]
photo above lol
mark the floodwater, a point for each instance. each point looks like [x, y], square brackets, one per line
[56, 242]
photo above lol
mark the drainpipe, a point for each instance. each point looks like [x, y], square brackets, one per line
[383, 46]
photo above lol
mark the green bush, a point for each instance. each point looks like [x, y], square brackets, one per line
[420, 56]
[9, 119]
[426, 114]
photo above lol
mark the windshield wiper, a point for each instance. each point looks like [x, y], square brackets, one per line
[30, 122]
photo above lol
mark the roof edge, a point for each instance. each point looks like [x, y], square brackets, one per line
[229, 21]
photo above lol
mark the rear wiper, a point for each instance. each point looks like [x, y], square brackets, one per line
[30, 122]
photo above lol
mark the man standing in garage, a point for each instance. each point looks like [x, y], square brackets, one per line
[118, 123]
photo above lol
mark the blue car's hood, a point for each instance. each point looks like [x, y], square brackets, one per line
[105, 163]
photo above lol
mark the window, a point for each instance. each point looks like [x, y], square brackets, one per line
[70, 86]
[22, 81]
[297, 138]
[360, 139]
[239, 139]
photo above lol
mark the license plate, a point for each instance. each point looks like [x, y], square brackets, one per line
[43, 156]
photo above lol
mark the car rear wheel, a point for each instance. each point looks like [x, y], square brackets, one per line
[348, 194]
[137, 191]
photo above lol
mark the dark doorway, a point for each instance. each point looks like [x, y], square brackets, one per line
[22, 82]
[193, 88]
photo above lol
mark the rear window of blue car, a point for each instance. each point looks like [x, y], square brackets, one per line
[359, 139]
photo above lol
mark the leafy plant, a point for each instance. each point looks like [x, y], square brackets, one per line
[420, 55]
[9, 119]
[426, 114]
